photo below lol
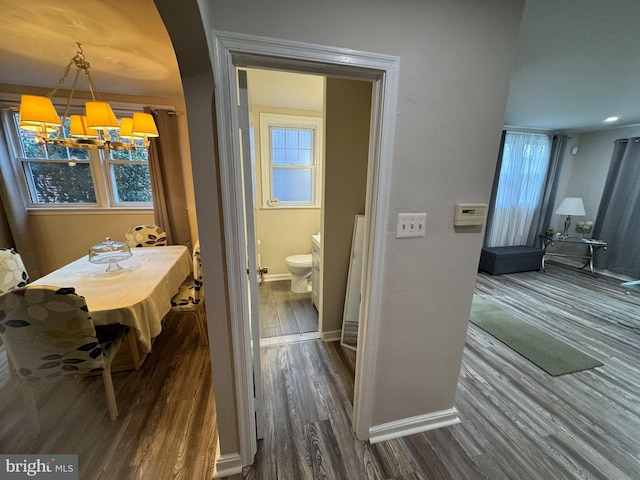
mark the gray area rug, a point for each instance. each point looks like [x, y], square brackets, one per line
[547, 352]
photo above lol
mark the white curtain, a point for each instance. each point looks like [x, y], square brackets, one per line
[523, 170]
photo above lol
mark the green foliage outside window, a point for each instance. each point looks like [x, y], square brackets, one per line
[59, 182]
[132, 183]
[60, 175]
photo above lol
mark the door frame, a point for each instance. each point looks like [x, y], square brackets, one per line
[231, 50]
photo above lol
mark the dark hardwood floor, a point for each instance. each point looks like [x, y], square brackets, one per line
[517, 421]
[166, 423]
[283, 312]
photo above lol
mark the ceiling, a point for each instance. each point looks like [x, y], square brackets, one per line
[125, 42]
[574, 64]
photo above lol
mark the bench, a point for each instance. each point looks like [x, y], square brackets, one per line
[512, 259]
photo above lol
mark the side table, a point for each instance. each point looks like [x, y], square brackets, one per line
[593, 246]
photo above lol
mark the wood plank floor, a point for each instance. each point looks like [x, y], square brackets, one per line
[517, 421]
[283, 312]
[166, 423]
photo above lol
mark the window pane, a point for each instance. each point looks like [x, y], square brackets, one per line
[292, 157]
[292, 139]
[277, 136]
[131, 183]
[292, 184]
[57, 153]
[305, 158]
[305, 139]
[139, 153]
[121, 154]
[77, 154]
[58, 182]
[30, 147]
[278, 156]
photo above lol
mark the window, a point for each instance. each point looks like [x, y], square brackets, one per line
[291, 157]
[523, 170]
[63, 177]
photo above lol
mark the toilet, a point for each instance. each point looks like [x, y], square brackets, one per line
[300, 267]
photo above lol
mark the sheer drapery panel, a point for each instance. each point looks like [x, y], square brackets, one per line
[518, 191]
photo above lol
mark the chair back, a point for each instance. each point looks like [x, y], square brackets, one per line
[12, 271]
[198, 290]
[146, 236]
[48, 333]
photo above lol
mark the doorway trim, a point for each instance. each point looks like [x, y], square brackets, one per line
[231, 50]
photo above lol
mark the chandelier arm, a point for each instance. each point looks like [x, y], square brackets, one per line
[100, 141]
[92, 88]
[65, 115]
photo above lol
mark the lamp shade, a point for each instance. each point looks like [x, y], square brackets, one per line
[571, 206]
[37, 113]
[78, 127]
[100, 116]
[144, 125]
[126, 127]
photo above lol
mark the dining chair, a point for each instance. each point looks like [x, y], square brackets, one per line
[146, 236]
[190, 297]
[49, 335]
[12, 270]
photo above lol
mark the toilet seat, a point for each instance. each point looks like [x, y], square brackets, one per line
[303, 260]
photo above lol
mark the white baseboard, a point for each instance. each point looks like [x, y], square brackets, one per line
[227, 465]
[332, 336]
[277, 276]
[412, 425]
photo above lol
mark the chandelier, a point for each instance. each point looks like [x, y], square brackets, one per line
[98, 128]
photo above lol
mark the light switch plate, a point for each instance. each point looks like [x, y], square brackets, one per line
[411, 225]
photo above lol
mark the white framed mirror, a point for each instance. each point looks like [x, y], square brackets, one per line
[350, 319]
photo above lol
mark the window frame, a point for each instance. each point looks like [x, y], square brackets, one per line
[99, 161]
[280, 120]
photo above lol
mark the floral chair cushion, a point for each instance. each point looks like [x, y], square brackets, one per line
[48, 333]
[146, 236]
[12, 271]
[191, 291]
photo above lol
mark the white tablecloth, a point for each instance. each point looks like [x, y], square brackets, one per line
[139, 295]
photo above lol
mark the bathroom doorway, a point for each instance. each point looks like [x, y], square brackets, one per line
[380, 72]
[286, 112]
[337, 114]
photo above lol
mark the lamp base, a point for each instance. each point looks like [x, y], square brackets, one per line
[567, 224]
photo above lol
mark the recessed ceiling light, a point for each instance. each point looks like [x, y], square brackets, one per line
[611, 119]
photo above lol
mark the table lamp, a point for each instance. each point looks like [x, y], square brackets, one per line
[570, 206]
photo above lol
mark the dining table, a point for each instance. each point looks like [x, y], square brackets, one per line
[138, 295]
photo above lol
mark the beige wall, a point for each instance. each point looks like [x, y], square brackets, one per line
[347, 123]
[282, 232]
[61, 237]
[456, 59]
[586, 172]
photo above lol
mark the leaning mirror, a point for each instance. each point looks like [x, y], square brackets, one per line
[350, 320]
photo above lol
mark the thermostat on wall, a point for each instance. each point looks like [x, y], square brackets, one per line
[468, 214]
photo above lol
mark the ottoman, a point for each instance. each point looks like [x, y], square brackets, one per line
[512, 259]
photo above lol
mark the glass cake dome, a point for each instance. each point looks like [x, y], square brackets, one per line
[109, 253]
